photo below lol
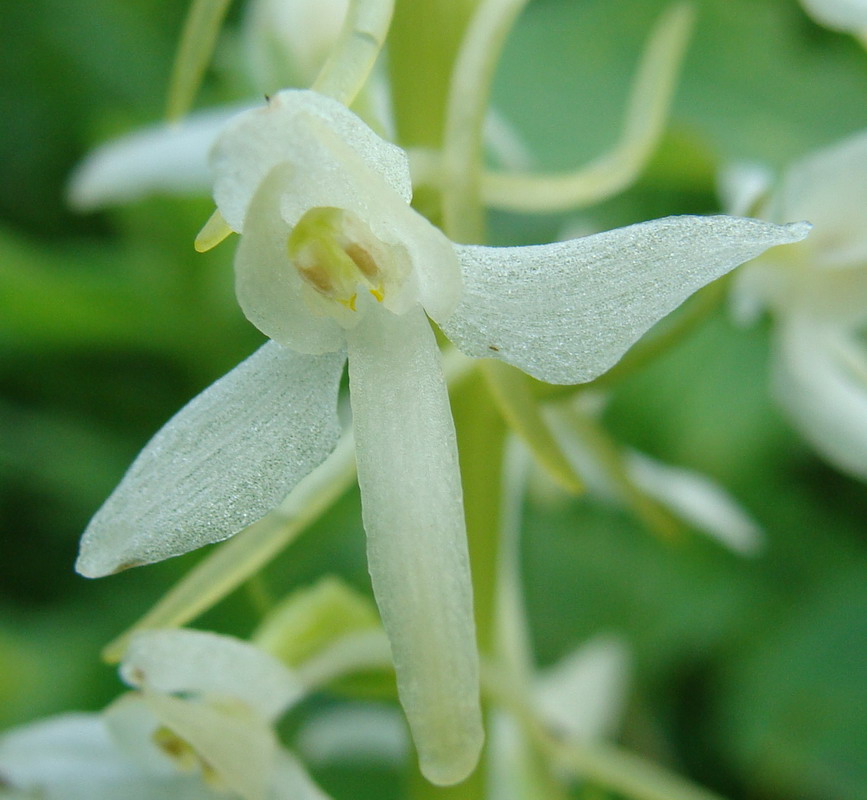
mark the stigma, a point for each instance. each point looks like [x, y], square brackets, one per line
[336, 254]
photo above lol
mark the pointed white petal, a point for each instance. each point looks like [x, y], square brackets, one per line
[829, 188]
[583, 695]
[221, 463]
[161, 158]
[820, 378]
[285, 131]
[566, 312]
[697, 500]
[210, 665]
[417, 549]
[845, 15]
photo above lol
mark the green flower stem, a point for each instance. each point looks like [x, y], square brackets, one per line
[198, 39]
[422, 48]
[467, 107]
[601, 763]
[361, 40]
[609, 456]
[481, 434]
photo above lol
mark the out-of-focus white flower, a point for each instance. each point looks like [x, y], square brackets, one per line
[817, 294]
[624, 477]
[579, 699]
[288, 41]
[332, 262]
[842, 15]
[198, 726]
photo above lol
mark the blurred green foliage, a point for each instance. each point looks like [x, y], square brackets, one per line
[750, 675]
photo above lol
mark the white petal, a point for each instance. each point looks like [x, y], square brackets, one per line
[286, 43]
[583, 695]
[257, 141]
[513, 769]
[161, 158]
[67, 747]
[417, 550]
[354, 734]
[829, 188]
[742, 185]
[566, 312]
[697, 500]
[269, 288]
[221, 463]
[239, 747]
[820, 378]
[290, 781]
[846, 15]
[210, 665]
[72, 757]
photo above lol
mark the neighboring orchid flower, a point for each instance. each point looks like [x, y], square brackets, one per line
[198, 726]
[288, 41]
[333, 261]
[630, 478]
[842, 15]
[579, 699]
[817, 294]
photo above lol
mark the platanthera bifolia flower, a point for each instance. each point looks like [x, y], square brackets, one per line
[333, 262]
[199, 726]
[817, 294]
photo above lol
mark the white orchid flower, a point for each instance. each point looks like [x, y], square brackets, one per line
[334, 262]
[198, 727]
[290, 40]
[627, 477]
[817, 293]
[842, 15]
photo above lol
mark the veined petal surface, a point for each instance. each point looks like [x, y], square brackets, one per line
[221, 463]
[212, 666]
[820, 379]
[161, 158]
[417, 550]
[566, 312]
[255, 142]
